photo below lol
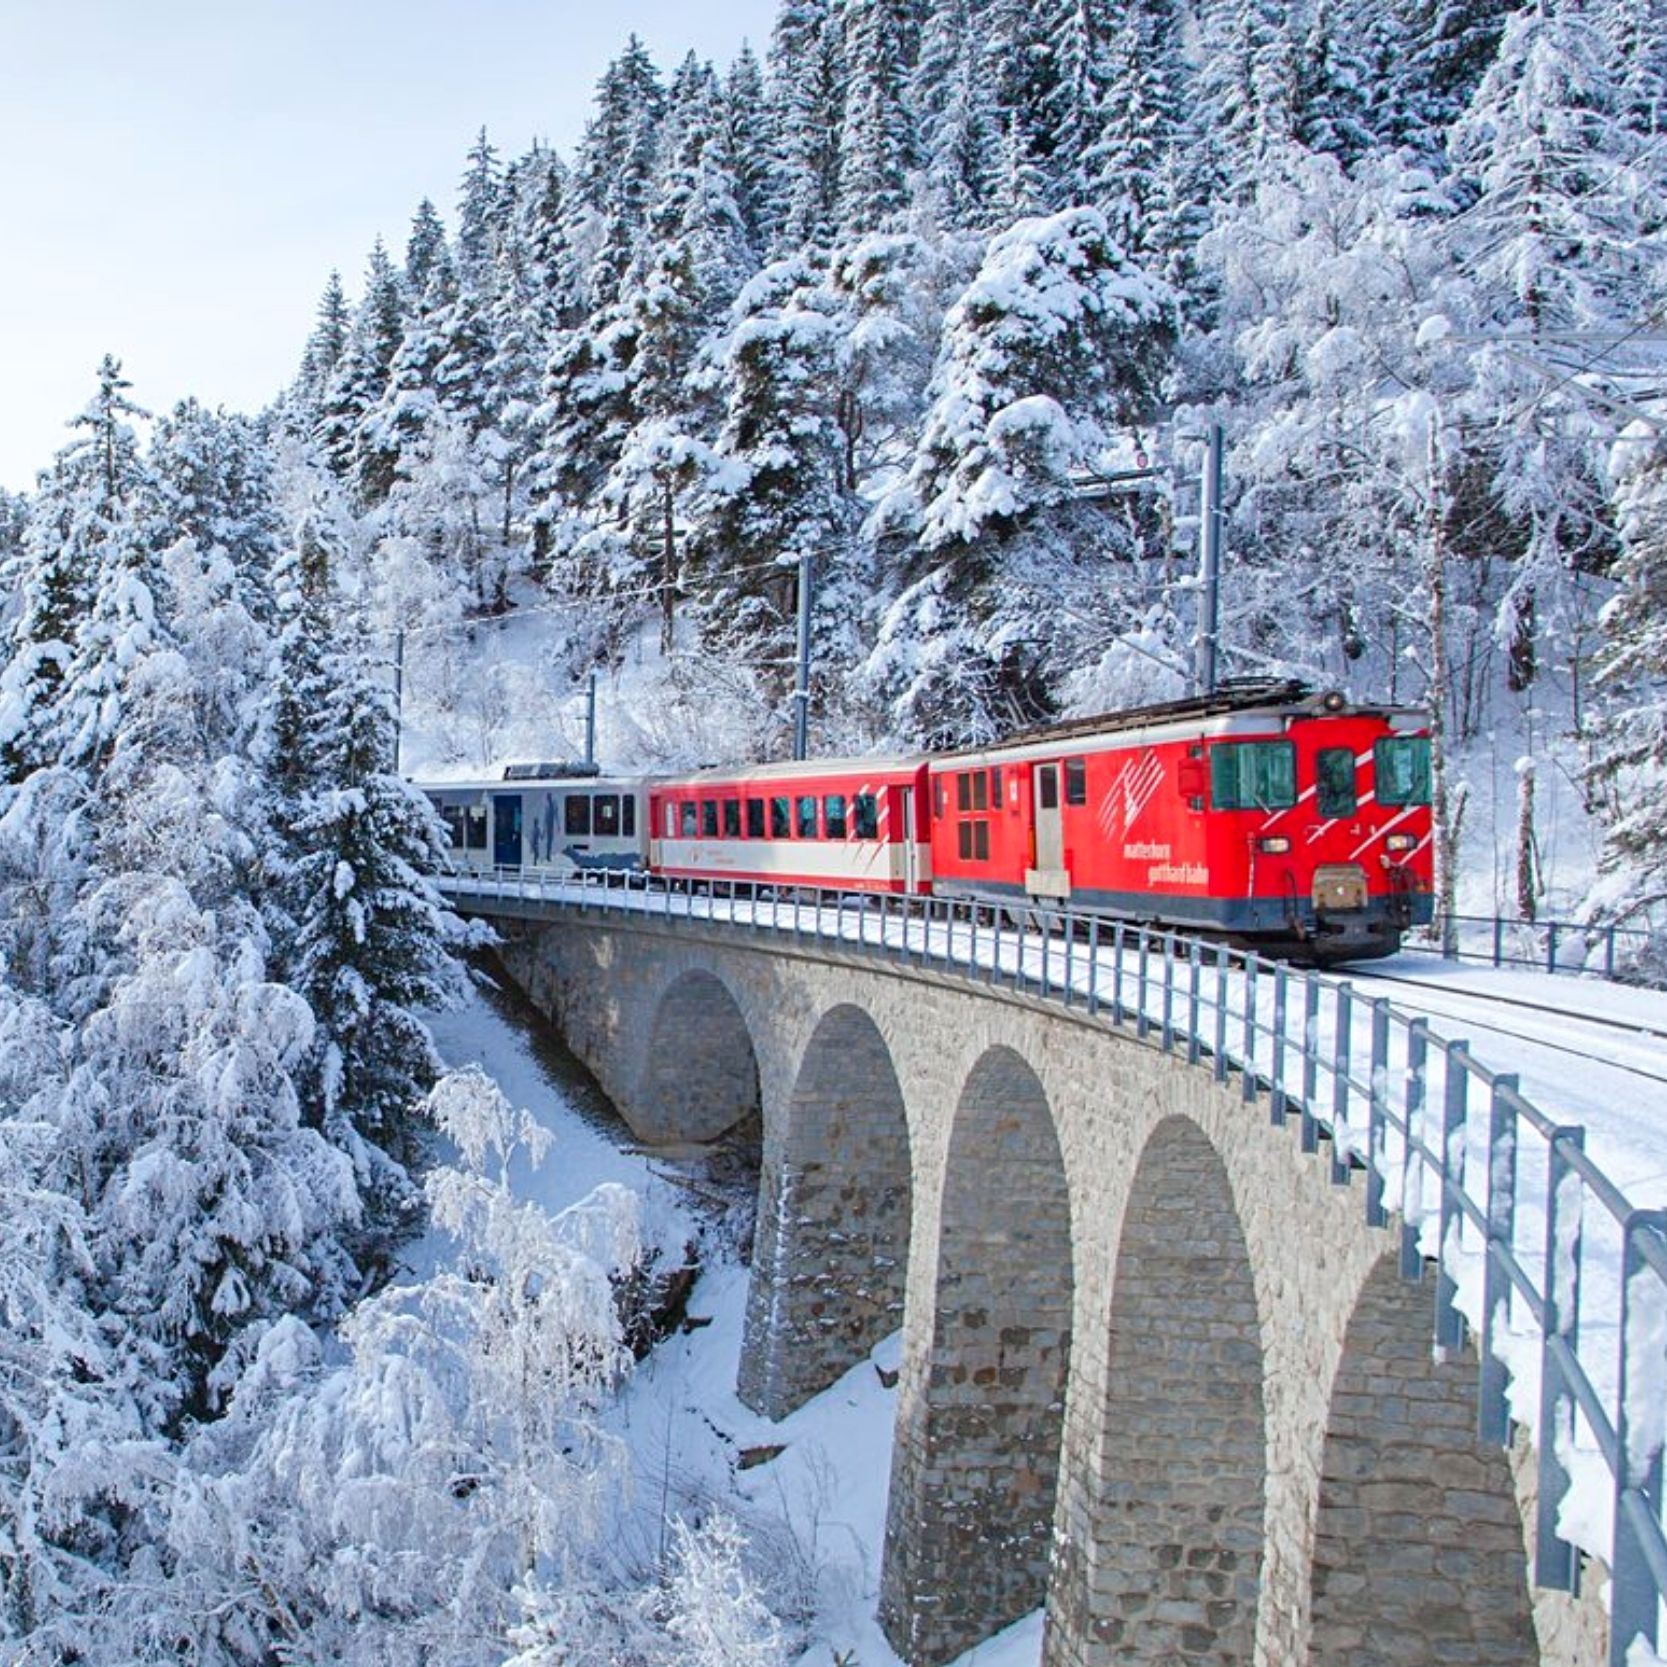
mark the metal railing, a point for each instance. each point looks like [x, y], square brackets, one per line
[1569, 946]
[1561, 1280]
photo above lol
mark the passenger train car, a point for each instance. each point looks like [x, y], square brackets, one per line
[1268, 815]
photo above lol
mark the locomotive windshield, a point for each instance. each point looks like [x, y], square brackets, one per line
[1402, 768]
[1253, 775]
[1334, 781]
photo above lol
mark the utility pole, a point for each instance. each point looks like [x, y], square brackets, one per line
[801, 688]
[1209, 577]
[590, 722]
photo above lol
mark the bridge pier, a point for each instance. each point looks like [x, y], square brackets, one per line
[831, 1247]
[980, 1420]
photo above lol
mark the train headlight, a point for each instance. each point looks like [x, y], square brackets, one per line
[1401, 842]
[1276, 845]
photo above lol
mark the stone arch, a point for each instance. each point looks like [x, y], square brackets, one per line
[976, 1464]
[699, 1076]
[1418, 1546]
[831, 1249]
[1161, 1547]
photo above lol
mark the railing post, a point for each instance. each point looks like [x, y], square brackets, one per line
[1045, 933]
[1412, 1156]
[1281, 995]
[1195, 973]
[1377, 1116]
[1094, 965]
[1551, 946]
[1636, 1602]
[1342, 1061]
[995, 945]
[1498, 940]
[1609, 952]
[1069, 926]
[1142, 1023]
[1310, 1060]
[1449, 1323]
[1247, 1071]
[1493, 1421]
[1221, 1014]
[1117, 934]
[1168, 1005]
[1555, 1562]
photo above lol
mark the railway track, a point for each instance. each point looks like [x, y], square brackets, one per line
[1455, 1006]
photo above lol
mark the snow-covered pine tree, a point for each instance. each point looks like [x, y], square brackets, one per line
[1248, 85]
[480, 217]
[364, 934]
[304, 404]
[806, 84]
[1637, 34]
[1628, 777]
[617, 163]
[779, 493]
[359, 381]
[954, 103]
[1057, 343]
[877, 141]
[1333, 94]
[87, 520]
[1077, 102]
[750, 143]
[1558, 227]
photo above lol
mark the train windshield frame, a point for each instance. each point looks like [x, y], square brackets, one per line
[1253, 775]
[1401, 770]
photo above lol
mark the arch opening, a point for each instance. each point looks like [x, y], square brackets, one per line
[976, 1465]
[830, 1253]
[699, 1079]
[1418, 1545]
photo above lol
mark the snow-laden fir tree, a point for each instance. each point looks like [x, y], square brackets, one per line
[87, 525]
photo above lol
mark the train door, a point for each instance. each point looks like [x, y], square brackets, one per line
[506, 830]
[911, 850]
[1050, 828]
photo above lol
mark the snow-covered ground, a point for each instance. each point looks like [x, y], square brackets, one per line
[816, 1512]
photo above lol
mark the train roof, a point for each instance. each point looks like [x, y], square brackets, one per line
[1272, 697]
[524, 784]
[878, 764]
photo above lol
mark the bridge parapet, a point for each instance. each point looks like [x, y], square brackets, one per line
[1451, 1157]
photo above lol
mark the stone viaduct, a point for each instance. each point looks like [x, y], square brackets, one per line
[1158, 1374]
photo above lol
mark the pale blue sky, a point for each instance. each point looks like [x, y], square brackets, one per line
[177, 177]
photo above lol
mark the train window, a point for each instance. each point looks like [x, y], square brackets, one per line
[963, 790]
[1076, 781]
[833, 811]
[807, 816]
[628, 815]
[577, 813]
[709, 818]
[981, 841]
[1334, 781]
[963, 841]
[474, 828]
[937, 799]
[1401, 768]
[980, 790]
[995, 788]
[1047, 788]
[781, 818]
[865, 816]
[732, 818]
[1253, 775]
[691, 818]
[452, 816]
[755, 818]
[604, 815]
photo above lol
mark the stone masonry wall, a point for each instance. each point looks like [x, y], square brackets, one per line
[985, 1228]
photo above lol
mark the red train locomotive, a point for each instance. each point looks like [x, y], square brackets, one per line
[1268, 815]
